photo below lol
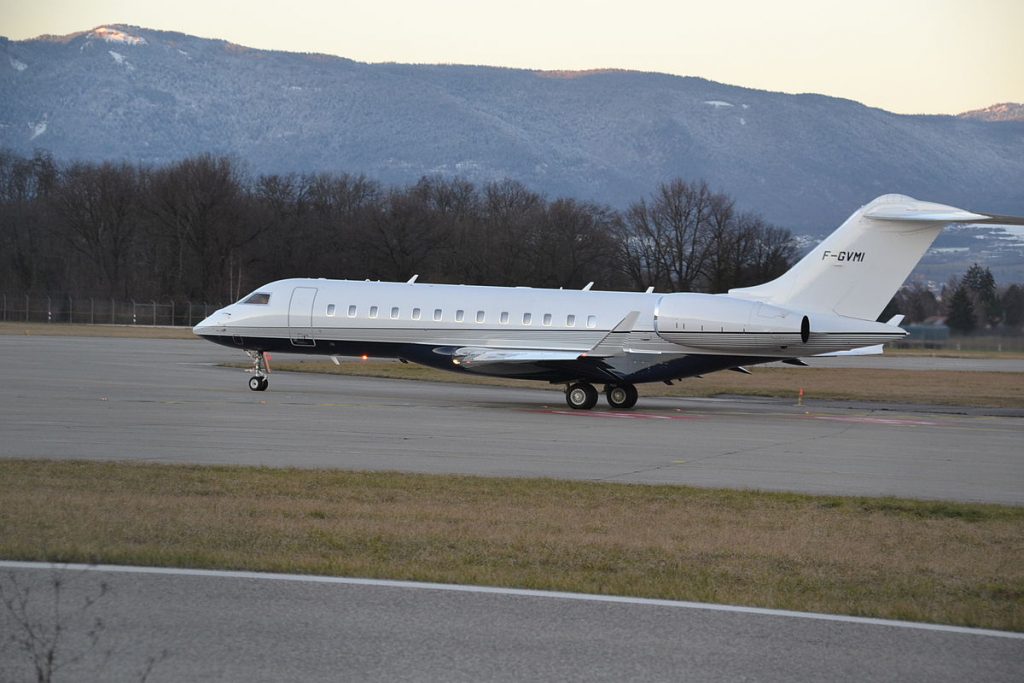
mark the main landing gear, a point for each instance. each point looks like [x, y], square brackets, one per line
[583, 396]
[260, 370]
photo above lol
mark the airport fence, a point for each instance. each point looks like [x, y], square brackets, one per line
[98, 311]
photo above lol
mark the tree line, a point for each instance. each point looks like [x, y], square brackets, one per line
[971, 303]
[202, 229]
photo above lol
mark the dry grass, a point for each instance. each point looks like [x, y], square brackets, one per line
[79, 330]
[939, 387]
[936, 562]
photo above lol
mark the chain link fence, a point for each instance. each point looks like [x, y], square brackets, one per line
[95, 311]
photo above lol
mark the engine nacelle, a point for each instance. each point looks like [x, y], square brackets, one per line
[722, 324]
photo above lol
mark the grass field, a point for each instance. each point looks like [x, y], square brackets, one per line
[78, 330]
[930, 561]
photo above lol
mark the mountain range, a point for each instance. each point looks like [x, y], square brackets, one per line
[804, 162]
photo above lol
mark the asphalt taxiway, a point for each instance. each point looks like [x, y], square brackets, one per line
[238, 626]
[169, 401]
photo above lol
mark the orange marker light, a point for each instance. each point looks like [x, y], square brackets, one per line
[364, 356]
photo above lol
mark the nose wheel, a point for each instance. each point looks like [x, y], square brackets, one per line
[260, 370]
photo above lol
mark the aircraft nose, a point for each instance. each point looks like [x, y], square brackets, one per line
[214, 324]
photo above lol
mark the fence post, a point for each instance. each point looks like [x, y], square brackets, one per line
[71, 310]
[49, 311]
[92, 311]
[133, 311]
[5, 308]
[172, 313]
[189, 312]
[154, 314]
[26, 308]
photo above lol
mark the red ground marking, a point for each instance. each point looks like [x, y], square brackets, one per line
[615, 415]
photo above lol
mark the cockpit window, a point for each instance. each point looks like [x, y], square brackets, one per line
[257, 298]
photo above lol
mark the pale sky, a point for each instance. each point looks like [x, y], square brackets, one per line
[907, 56]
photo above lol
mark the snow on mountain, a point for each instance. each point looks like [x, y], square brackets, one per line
[1007, 111]
[803, 161]
[113, 35]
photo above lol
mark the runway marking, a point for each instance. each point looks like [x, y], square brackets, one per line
[615, 415]
[516, 592]
[898, 422]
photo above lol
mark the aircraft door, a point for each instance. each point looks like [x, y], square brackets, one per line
[300, 316]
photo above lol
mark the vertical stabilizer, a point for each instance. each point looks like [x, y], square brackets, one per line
[857, 269]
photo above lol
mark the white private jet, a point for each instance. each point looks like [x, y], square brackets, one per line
[825, 305]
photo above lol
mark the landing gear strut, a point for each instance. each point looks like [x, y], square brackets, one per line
[260, 370]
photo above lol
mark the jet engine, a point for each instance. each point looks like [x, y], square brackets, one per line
[725, 324]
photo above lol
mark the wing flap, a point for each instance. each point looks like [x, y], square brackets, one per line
[479, 356]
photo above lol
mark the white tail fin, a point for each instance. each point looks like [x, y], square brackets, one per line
[856, 270]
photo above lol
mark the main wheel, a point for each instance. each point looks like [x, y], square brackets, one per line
[258, 383]
[621, 396]
[581, 396]
[264, 383]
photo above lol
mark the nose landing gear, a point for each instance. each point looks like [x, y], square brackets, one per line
[260, 370]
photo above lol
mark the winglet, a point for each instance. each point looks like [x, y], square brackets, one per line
[896, 320]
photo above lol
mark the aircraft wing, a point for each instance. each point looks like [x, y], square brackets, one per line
[609, 345]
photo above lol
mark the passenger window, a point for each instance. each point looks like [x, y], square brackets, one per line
[459, 315]
[352, 311]
[479, 316]
[394, 312]
[330, 310]
[504, 317]
[527, 318]
[437, 314]
[547, 319]
[373, 311]
[415, 314]
[591, 321]
[570, 321]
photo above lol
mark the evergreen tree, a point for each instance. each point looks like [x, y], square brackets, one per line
[961, 311]
[981, 287]
[1013, 306]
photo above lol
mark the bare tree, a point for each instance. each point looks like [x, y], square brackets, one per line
[200, 203]
[41, 634]
[25, 234]
[97, 207]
